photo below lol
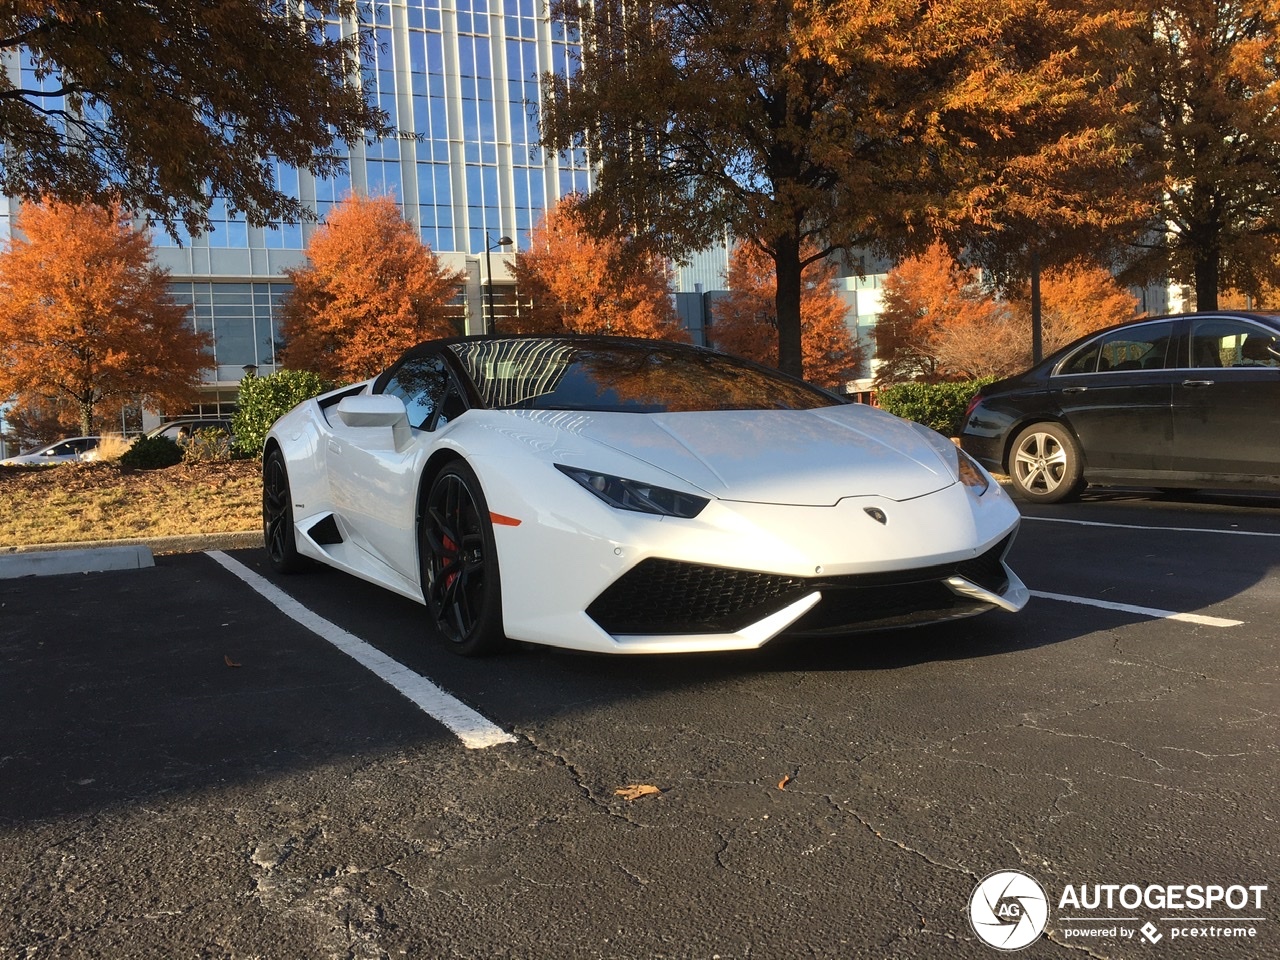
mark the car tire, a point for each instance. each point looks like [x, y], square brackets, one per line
[277, 517]
[1045, 464]
[459, 559]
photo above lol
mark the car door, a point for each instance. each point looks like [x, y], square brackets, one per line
[1226, 412]
[1116, 393]
[373, 478]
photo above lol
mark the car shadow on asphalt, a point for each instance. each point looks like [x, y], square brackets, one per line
[121, 687]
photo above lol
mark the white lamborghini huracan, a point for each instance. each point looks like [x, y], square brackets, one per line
[632, 496]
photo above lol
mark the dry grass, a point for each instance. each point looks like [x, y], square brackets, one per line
[112, 446]
[74, 502]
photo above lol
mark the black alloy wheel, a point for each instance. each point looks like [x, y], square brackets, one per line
[277, 517]
[459, 558]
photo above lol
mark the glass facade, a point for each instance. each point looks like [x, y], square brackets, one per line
[460, 82]
[242, 318]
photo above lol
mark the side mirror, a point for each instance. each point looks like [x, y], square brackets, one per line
[382, 420]
[372, 410]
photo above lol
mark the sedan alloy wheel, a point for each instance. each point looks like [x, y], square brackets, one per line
[1045, 465]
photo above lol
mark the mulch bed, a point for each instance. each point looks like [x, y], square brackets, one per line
[87, 477]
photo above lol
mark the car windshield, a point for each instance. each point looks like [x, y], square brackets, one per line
[624, 376]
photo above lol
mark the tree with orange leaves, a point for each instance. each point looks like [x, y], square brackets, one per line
[575, 283]
[940, 322]
[832, 125]
[745, 322]
[86, 319]
[926, 298]
[369, 290]
[1079, 298]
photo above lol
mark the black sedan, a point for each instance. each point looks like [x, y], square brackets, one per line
[1171, 402]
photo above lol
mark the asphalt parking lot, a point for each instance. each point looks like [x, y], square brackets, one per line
[187, 770]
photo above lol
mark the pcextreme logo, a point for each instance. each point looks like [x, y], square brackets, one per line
[1009, 910]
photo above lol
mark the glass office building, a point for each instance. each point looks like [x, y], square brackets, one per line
[460, 81]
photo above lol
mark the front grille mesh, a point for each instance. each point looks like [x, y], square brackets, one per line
[667, 596]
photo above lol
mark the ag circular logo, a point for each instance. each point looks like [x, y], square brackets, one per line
[1008, 910]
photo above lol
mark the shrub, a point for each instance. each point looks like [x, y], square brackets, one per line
[207, 445]
[937, 405]
[264, 400]
[151, 453]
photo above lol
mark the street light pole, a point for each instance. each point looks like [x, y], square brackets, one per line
[488, 269]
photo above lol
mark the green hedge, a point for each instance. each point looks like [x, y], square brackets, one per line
[151, 453]
[264, 400]
[937, 405]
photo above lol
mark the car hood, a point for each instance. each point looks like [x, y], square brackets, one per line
[796, 457]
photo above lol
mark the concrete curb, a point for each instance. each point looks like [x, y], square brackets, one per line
[91, 556]
[54, 562]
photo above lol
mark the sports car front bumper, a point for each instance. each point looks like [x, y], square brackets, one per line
[663, 597]
[741, 573]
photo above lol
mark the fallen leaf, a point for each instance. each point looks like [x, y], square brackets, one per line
[634, 791]
[782, 784]
[230, 662]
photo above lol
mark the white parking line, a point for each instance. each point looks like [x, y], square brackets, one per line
[1135, 526]
[1152, 612]
[475, 731]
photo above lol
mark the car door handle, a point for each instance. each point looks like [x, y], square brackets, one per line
[1074, 389]
[1197, 383]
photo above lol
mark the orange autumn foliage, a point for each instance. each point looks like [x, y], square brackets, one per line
[369, 290]
[1203, 79]
[1076, 299]
[575, 283]
[744, 322]
[941, 323]
[87, 324]
[860, 124]
[928, 299]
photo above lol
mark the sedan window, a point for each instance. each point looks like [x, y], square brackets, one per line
[1084, 360]
[1232, 343]
[1142, 347]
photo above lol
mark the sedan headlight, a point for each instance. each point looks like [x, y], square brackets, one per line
[966, 468]
[633, 495]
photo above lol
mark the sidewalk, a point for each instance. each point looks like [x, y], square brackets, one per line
[91, 556]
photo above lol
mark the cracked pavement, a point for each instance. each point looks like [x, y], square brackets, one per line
[158, 803]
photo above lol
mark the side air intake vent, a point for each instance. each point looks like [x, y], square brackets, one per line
[326, 531]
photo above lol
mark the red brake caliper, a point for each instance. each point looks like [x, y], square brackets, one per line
[452, 548]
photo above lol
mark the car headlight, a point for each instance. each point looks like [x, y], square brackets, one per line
[967, 469]
[971, 474]
[633, 495]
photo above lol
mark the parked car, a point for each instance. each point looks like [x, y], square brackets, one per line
[64, 451]
[179, 430]
[1187, 401]
[629, 496]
